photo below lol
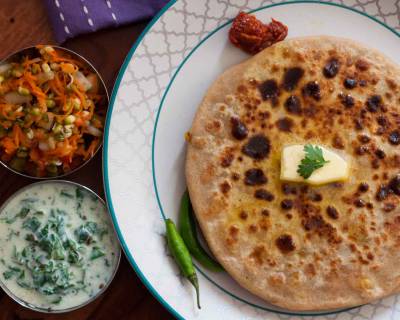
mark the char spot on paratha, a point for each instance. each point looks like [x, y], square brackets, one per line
[287, 204]
[350, 83]
[292, 77]
[394, 137]
[293, 105]
[394, 184]
[263, 194]
[312, 89]
[258, 254]
[243, 215]
[285, 243]
[255, 177]
[258, 147]
[332, 212]
[363, 187]
[225, 187]
[331, 68]
[362, 65]
[269, 89]
[227, 159]
[285, 124]
[239, 130]
[346, 100]
[374, 103]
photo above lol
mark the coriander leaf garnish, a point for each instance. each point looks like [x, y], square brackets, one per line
[313, 160]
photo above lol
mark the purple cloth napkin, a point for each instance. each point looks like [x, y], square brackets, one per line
[72, 17]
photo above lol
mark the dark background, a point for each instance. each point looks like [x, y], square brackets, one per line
[24, 23]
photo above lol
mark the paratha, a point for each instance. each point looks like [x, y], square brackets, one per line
[297, 246]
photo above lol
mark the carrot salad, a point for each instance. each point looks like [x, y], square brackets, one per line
[50, 113]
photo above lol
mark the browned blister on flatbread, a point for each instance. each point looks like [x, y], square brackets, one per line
[297, 246]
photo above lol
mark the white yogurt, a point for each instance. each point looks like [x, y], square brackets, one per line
[57, 246]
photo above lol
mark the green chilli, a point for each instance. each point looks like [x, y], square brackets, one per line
[187, 229]
[182, 256]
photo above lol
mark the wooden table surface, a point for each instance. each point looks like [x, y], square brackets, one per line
[24, 23]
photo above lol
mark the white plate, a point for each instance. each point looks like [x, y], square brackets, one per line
[156, 95]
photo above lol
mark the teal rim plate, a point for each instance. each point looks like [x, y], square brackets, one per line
[158, 89]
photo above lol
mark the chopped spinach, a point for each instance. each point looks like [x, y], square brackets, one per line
[13, 271]
[22, 214]
[31, 237]
[73, 253]
[8, 274]
[17, 257]
[65, 193]
[28, 201]
[23, 284]
[31, 224]
[84, 234]
[96, 253]
[57, 300]
[79, 194]
[51, 244]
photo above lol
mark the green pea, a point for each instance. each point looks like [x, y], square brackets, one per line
[23, 91]
[16, 73]
[76, 103]
[50, 103]
[17, 164]
[52, 169]
[69, 106]
[59, 136]
[46, 67]
[67, 130]
[69, 119]
[35, 68]
[57, 128]
[55, 66]
[35, 111]
[22, 153]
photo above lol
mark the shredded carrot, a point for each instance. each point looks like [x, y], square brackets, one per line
[81, 96]
[9, 145]
[17, 134]
[34, 154]
[92, 148]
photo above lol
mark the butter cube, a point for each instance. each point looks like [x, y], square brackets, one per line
[337, 169]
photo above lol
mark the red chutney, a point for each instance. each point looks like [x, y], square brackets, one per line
[251, 35]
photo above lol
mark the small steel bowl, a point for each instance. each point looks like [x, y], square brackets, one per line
[101, 291]
[32, 51]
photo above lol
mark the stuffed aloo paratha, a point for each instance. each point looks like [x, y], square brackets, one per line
[297, 246]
